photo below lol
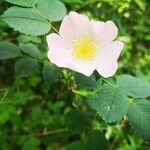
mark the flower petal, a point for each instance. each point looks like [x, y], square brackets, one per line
[116, 48]
[58, 51]
[110, 31]
[97, 28]
[106, 32]
[106, 61]
[74, 25]
[108, 69]
[81, 67]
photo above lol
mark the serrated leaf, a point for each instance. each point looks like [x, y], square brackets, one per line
[109, 102]
[50, 73]
[54, 10]
[30, 49]
[8, 50]
[134, 86]
[96, 140]
[26, 20]
[26, 3]
[77, 121]
[85, 82]
[26, 66]
[139, 117]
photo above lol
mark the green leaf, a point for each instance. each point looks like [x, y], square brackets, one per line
[77, 121]
[4, 117]
[77, 145]
[30, 49]
[26, 20]
[26, 66]
[84, 81]
[50, 73]
[26, 3]
[133, 86]
[19, 98]
[96, 140]
[109, 102]
[8, 50]
[74, 1]
[5, 112]
[31, 144]
[27, 39]
[139, 117]
[54, 10]
[39, 116]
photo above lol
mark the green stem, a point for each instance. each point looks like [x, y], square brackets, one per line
[52, 132]
[54, 29]
[108, 82]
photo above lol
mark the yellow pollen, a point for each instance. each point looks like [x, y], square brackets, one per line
[84, 48]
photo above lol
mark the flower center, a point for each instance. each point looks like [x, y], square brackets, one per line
[84, 48]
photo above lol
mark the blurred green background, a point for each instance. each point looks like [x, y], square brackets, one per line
[34, 110]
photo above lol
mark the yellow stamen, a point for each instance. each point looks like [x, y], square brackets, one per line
[84, 48]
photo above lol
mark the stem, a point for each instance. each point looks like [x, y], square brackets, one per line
[108, 82]
[52, 132]
[54, 29]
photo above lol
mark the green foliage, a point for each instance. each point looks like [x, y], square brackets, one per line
[8, 50]
[31, 143]
[77, 145]
[26, 66]
[74, 1]
[85, 82]
[26, 20]
[54, 108]
[109, 102]
[133, 86]
[34, 20]
[26, 3]
[139, 117]
[96, 140]
[5, 113]
[77, 121]
[50, 72]
[30, 49]
[53, 10]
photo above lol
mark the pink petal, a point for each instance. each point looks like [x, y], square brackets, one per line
[108, 69]
[58, 51]
[82, 67]
[106, 61]
[110, 31]
[97, 28]
[106, 32]
[74, 25]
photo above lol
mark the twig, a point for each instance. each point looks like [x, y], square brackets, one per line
[52, 132]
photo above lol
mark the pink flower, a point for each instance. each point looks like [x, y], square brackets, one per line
[85, 46]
